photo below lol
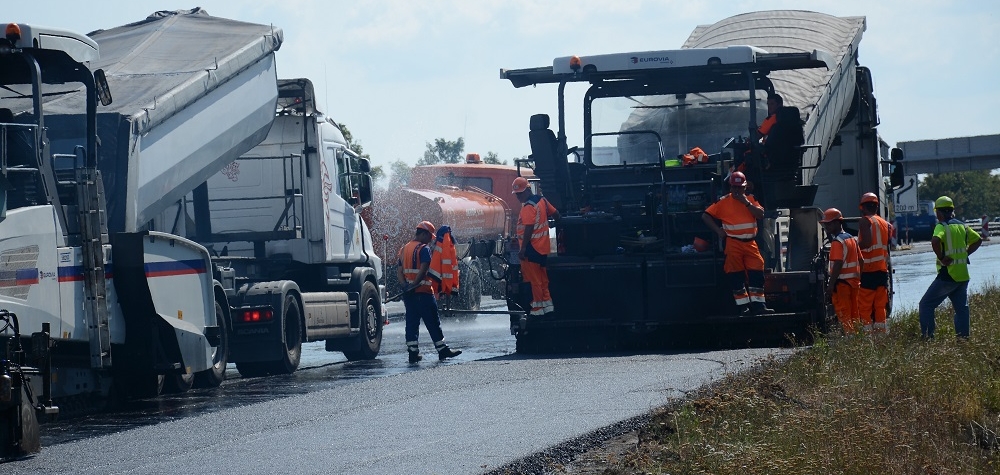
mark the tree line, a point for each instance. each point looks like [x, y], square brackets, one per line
[439, 151]
[976, 193]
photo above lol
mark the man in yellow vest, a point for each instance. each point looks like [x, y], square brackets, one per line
[418, 297]
[953, 241]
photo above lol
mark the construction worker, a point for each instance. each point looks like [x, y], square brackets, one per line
[953, 241]
[534, 244]
[873, 239]
[418, 295]
[845, 271]
[444, 263]
[774, 102]
[738, 212]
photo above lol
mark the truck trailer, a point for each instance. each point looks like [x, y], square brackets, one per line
[627, 271]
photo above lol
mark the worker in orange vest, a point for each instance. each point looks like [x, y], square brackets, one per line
[845, 271]
[444, 262]
[738, 212]
[873, 239]
[774, 102]
[414, 260]
[534, 244]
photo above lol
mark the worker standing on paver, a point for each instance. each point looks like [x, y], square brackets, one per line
[418, 294]
[738, 212]
[873, 239]
[534, 244]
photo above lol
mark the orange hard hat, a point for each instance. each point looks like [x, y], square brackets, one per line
[520, 184]
[737, 179]
[700, 244]
[832, 214]
[426, 226]
[869, 198]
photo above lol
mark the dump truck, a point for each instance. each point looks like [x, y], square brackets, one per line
[627, 272]
[475, 199]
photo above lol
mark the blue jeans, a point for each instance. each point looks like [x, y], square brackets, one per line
[420, 306]
[958, 293]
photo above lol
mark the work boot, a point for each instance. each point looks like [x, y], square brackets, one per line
[758, 308]
[743, 310]
[445, 353]
[414, 356]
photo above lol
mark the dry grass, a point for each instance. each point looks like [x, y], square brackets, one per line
[847, 405]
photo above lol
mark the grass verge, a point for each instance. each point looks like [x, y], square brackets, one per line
[893, 404]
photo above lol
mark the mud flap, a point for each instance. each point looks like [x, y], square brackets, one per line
[19, 434]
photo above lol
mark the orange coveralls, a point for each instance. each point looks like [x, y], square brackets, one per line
[873, 296]
[844, 248]
[536, 212]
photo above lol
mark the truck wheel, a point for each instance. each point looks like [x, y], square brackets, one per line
[292, 323]
[22, 415]
[370, 339]
[177, 383]
[214, 376]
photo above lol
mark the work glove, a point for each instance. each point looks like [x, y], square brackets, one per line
[442, 231]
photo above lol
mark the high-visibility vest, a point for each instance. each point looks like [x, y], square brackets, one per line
[535, 211]
[737, 220]
[444, 264]
[875, 258]
[849, 254]
[955, 238]
[409, 259]
[765, 127]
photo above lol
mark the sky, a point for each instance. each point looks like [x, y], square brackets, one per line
[402, 73]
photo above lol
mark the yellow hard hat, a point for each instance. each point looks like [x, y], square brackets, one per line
[944, 202]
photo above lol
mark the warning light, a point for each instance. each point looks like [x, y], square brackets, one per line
[575, 63]
[13, 32]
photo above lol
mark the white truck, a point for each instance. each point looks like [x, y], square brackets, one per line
[285, 217]
[115, 303]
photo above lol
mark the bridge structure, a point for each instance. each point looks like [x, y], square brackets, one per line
[957, 154]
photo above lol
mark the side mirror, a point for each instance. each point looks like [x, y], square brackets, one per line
[895, 168]
[365, 191]
[365, 165]
[103, 90]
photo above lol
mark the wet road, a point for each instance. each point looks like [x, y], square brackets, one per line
[486, 336]
[483, 338]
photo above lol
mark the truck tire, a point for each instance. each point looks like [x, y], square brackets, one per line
[370, 315]
[291, 314]
[24, 415]
[178, 383]
[214, 376]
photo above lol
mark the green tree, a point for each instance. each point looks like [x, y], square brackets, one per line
[400, 174]
[443, 151]
[493, 159]
[377, 172]
[975, 192]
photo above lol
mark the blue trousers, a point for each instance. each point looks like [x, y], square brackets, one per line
[958, 293]
[420, 306]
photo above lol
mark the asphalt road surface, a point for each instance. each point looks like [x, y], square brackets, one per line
[479, 411]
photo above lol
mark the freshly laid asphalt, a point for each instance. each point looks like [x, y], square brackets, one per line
[449, 418]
